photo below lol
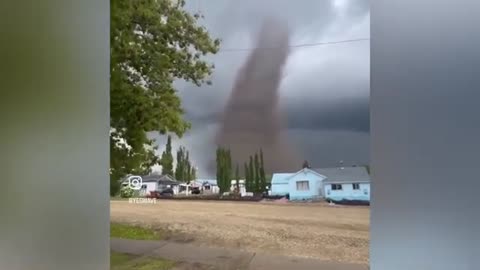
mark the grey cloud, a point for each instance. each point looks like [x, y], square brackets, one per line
[347, 114]
[344, 114]
[325, 91]
[325, 148]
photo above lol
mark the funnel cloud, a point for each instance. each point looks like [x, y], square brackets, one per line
[252, 119]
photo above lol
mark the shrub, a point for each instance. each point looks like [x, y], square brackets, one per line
[126, 192]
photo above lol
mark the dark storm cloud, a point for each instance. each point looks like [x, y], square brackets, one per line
[326, 148]
[237, 22]
[351, 114]
[325, 90]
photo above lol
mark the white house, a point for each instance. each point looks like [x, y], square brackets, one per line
[207, 186]
[336, 184]
[241, 185]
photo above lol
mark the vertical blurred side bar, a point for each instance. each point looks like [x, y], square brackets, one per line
[425, 135]
[54, 157]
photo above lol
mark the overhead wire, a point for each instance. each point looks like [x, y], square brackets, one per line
[296, 45]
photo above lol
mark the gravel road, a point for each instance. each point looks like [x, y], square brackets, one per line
[316, 230]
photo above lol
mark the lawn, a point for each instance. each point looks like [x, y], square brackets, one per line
[120, 261]
[119, 230]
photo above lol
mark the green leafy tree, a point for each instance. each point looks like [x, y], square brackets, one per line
[167, 158]
[152, 43]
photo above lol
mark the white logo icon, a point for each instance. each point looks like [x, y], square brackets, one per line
[135, 182]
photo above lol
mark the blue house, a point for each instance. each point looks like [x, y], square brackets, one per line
[337, 184]
[305, 184]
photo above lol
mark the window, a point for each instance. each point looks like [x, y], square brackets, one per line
[336, 187]
[356, 186]
[303, 185]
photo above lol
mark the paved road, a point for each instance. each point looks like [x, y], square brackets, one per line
[221, 258]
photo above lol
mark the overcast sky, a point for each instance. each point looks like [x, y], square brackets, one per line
[324, 95]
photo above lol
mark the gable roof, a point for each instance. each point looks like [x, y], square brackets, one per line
[344, 174]
[158, 177]
[283, 178]
[280, 178]
[305, 170]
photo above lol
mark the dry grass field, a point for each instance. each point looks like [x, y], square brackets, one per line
[317, 230]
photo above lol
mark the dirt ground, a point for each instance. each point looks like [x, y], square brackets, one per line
[316, 230]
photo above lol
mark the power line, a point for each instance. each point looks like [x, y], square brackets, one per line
[297, 45]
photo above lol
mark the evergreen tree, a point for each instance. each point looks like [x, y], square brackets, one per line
[187, 168]
[219, 167]
[224, 169]
[263, 180]
[237, 178]
[166, 160]
[251, 170]
[193, 173]
[180, 168]
[257, 173]
[184, 171]
[246, 176]
[228, 170]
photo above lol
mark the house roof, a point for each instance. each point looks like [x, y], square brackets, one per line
[164, 179]
[281, 178]
[344, 174]
[159, 178]
[334, 175]
[305, 170]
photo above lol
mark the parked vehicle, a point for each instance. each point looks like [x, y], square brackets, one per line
[195, 190]
[167, 192]
[153, 195]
